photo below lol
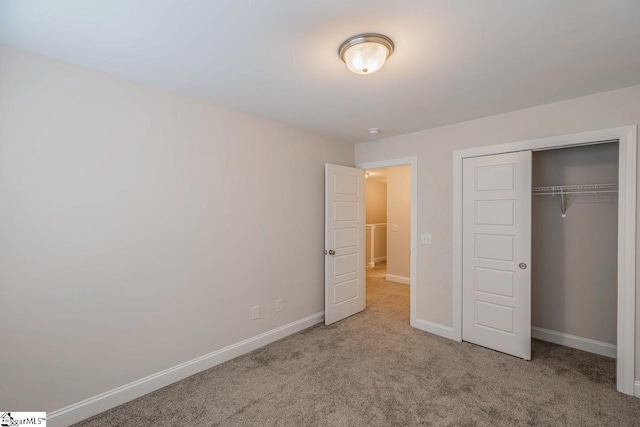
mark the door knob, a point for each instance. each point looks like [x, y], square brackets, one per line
[332, 252]
[523, 265]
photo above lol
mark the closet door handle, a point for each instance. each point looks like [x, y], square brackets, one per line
[523, 265]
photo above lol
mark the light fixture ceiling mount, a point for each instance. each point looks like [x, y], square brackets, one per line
[366, 53]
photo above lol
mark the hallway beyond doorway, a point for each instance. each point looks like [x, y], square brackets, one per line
[387, 299]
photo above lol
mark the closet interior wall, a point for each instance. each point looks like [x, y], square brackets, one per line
[574, 259]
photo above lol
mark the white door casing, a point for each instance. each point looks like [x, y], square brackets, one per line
[344, 242]
[496, 235]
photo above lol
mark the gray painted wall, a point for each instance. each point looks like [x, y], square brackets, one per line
[574, 260]
[139, 227]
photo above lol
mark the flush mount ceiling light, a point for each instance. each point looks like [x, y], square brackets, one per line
[366, 53]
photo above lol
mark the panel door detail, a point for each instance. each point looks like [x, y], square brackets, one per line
[344, 242]
[496, 239]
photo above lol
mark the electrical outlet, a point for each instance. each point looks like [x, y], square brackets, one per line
[279, 304]
[255, 312]
[425, 239]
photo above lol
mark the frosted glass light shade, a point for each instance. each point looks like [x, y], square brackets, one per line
[366, 58]
[366, 53]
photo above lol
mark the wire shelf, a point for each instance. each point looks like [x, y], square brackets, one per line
[557, 190]
[565, 190]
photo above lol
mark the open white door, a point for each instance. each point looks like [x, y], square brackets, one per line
[344, 242]
[496, 238]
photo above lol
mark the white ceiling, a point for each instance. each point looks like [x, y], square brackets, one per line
[454, 60]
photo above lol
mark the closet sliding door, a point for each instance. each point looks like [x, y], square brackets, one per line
[496, 255]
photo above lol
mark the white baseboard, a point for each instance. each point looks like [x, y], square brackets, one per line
[434, 328]
[636, 389]
[398, 279]
[585, 344]
[373, 263]
[110, 399]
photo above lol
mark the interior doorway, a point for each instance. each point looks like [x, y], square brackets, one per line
[388, 221]
[388, 234]
[395, 249]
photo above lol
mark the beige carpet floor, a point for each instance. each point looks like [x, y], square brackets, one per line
[373, 369]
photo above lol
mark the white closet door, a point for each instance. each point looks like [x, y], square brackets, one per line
[497, 252]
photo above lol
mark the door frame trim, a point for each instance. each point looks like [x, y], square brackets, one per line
[627, 175]
[413, 162]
